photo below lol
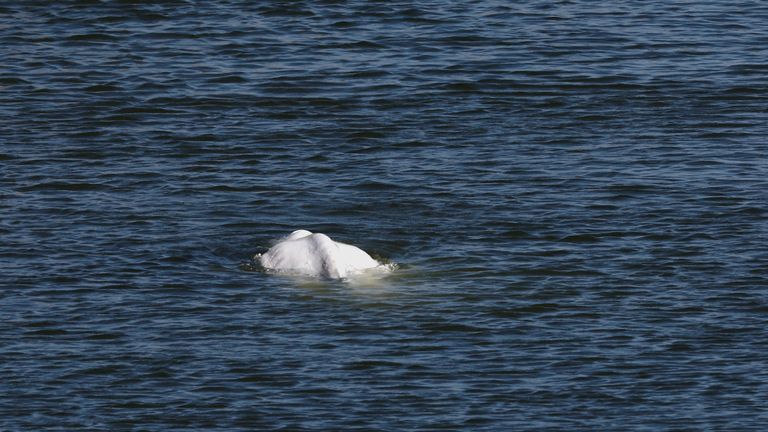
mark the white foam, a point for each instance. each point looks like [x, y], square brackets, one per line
[308, 254]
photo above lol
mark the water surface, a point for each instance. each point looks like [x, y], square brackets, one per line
[574, 193]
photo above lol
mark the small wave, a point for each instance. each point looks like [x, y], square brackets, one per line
[92, 37]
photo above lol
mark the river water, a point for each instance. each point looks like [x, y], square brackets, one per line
[574, 195]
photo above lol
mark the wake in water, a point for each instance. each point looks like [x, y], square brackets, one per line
[317, 255]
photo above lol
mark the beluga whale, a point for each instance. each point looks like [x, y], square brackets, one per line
[314, 254]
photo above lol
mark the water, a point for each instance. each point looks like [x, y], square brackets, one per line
[574, 194]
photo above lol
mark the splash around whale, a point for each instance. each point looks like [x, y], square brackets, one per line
[316, 255]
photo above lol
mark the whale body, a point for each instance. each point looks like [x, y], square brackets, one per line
[305, 253]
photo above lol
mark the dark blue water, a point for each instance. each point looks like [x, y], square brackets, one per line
[575, 194]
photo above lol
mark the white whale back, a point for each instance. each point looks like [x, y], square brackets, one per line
[305, 253]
